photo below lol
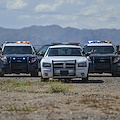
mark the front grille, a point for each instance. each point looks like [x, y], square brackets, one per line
[64, 68]
[19, 68]
[102, 60]
[18, 60]
[102, 63]
[19, 64]
[58, 65]
[103, 67]
[70, 65]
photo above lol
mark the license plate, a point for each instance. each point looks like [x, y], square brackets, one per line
[19, 60]
[64, 72]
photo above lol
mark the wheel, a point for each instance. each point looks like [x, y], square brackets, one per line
[34, 74]
[85, 79]
[44, 79]
[1, 74]
[66, 80]
[114, 75]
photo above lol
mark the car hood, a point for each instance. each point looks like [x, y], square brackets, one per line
[19, 55]
[64, 58]
[103, 55]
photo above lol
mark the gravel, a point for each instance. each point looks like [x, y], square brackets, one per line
[99, 99]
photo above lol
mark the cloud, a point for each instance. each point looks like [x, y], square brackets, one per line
[41, 17]
[47, 7]
[16, 4]
[70, 1]
[80, 2]
[74, 13]
[24, 16]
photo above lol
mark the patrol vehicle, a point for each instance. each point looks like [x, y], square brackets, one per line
[64, 61]
[18, 57]
[104, 59]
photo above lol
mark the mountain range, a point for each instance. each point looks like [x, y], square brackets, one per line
[41, 35]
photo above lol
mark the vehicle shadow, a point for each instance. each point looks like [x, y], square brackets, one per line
[25, 76]
[100, 75]
[20, 75]
[88, 82]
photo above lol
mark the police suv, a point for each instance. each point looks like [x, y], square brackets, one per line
[104, 59]
[18, 57]
[64, 61]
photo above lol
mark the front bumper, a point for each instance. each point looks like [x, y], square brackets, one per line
[104, 68]
[61, 74]
[19, 68]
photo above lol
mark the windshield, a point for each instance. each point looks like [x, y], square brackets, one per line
[64, 51]
[17, 50]
[100, 49]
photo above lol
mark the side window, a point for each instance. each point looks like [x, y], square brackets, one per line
[43, 49]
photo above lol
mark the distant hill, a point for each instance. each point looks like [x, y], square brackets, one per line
[40, 35]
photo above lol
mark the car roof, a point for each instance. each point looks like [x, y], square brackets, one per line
[58, 46]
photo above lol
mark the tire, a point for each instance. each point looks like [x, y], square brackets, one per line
[34, 74]
[1, 74]
[67, 80]
[44, 79]
[85, 79]
[115, 75]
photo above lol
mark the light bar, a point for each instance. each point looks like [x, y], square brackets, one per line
[25, 42]
[74, 43]
[107, 41]
[65, 43]
[22, 42]
[90, 42]
[17, 42]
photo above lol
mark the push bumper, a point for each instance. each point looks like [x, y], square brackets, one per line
[61, 74]
[104, 68]
[19, 68]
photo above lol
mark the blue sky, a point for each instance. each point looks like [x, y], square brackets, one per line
[81, 14]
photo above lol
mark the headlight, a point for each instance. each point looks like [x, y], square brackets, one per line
[116, 59]
[4, 59]
[90, 61]
[83, 64]
[33, 59]
[46, 64]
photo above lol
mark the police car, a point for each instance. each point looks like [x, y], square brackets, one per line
[18, 57]
[64, 61]
[104, 59]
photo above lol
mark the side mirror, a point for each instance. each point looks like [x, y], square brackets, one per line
[0, 50]
[40, 54]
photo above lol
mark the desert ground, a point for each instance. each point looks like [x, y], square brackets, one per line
[28, 98]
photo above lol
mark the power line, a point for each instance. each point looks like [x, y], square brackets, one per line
[64, 14]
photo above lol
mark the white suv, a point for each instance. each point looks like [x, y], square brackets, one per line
[64, 62]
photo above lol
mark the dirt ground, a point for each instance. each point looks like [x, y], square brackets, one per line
[99, 99]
